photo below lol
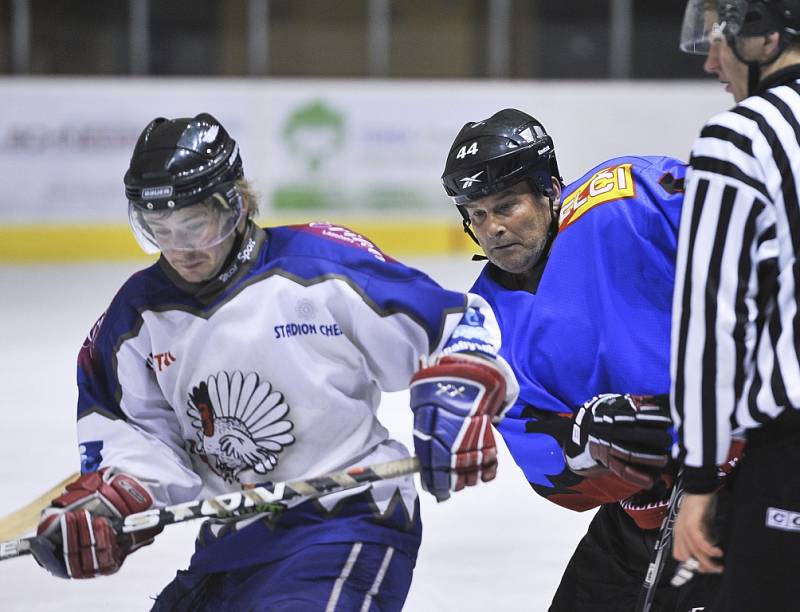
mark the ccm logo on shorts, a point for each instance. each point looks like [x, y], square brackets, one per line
[787, 520]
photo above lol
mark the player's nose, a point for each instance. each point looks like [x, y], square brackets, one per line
[495, 226]
[711, 64]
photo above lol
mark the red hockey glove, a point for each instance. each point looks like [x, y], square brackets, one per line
[455, 401]
[648, 507]
[626, 434]
[735, 454]
[77, 537]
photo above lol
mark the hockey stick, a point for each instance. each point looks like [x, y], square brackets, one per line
[661, 550]
[22, 521]
[272, 498]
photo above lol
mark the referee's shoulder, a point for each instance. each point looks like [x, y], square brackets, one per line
[755, 118]
[780, 102]
[741, 118]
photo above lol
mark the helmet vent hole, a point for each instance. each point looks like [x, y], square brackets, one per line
[509, 167]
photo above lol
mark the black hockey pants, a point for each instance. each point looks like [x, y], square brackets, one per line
[606, 572]
[762, 536]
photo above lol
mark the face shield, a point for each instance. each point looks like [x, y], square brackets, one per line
[199, 226]
[701, 27]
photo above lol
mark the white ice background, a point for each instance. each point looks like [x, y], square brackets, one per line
[495, 547]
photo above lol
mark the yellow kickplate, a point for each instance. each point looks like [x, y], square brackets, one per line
[68, 243]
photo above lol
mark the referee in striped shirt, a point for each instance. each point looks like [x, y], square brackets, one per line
[736, 322]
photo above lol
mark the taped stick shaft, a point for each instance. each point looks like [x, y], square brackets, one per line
[661, 551]
[257, 500]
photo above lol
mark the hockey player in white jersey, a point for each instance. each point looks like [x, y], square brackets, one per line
[246, 355]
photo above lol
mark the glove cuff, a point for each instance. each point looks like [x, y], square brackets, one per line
[700, 480]
[576, 448]
[581, 462]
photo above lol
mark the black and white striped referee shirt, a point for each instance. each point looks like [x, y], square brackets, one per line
[736, 324]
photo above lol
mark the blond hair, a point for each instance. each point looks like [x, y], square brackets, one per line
[250, 196]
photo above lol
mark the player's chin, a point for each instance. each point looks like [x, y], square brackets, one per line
[195, 271]
[513, 259]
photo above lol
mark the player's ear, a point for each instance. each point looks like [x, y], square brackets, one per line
[771, 43]
[556, 191]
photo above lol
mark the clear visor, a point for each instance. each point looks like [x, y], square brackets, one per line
[191, 228]
[701, 27]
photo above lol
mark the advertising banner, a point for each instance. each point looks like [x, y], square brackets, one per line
[315, 149]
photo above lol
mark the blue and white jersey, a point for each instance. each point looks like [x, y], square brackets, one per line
[599, 319]
[273, 371]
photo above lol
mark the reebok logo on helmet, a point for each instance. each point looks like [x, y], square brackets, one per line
[467, 181]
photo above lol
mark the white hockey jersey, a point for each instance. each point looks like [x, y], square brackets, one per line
[273, 371]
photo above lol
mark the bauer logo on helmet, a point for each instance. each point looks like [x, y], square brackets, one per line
[164, 191]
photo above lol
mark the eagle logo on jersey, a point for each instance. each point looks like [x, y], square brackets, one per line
[241, 424]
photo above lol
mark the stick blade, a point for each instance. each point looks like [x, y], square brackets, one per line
[23, 521]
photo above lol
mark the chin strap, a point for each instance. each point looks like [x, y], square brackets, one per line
[466, 223]
[753, 77]
[552, 231]
[754, 66]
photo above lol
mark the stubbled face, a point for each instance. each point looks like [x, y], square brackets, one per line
[201, 265]
[192, 225]
[511, 226]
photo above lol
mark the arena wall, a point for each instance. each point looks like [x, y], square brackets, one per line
[364, 154]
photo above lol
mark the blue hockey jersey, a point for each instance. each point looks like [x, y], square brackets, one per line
[599, 320]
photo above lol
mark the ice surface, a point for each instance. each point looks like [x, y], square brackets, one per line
[496, 547]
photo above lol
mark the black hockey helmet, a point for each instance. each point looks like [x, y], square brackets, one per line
[181, 161]
[491, 155]
[740, 19]
[178, 163]
[494, 154]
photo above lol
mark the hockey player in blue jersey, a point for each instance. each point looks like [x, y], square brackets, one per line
[246, 355]
[580, 278]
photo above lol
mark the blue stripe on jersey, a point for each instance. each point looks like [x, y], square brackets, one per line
[389, 287]
[97, 378]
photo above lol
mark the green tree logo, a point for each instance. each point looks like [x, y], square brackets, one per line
[314, 131]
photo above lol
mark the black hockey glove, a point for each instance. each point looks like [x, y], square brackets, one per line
[629, 435]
